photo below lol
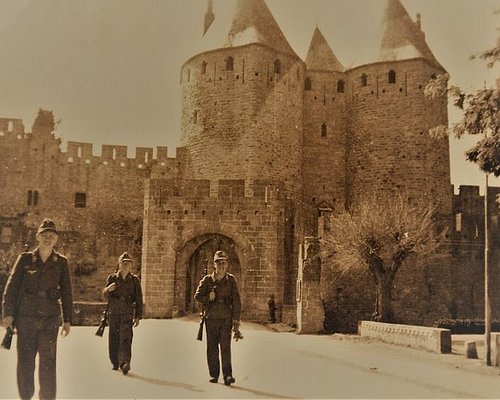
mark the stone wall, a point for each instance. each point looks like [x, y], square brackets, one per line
[389, 148]
[310, 313]
[436, 340]
[262, 159]
[467, 235]
[244, 123]
[182, 215]
[96, 201]
[324, 149]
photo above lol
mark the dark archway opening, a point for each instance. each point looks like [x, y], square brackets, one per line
[200, 263]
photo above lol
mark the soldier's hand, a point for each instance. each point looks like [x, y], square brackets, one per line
[65, 329]
[111, 287]
[7, 322]
[211, 296]
[236, 325]
[136, 321]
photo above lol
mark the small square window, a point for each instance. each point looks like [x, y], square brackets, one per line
[80, 200]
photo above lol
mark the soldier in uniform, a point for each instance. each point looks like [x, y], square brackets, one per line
[219, 295]
[271, 305]
[38, 280]
[123, 290]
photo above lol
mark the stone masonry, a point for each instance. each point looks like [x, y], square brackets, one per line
[271, 146]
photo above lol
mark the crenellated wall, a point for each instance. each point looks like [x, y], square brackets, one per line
[467, 236]
[182, 215]
[96, 201]
[11, 126]
[269, 150]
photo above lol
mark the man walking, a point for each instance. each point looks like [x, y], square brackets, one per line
[38, 280]
[219, 295]
[123, 290]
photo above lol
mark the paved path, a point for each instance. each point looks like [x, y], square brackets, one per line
[168, 362]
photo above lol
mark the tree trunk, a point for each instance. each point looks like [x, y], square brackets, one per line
[383, 307]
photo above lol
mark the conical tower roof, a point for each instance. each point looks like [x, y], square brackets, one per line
[243, 22]
[320, 56]
[402, 39]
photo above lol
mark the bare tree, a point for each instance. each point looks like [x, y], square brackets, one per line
[378, 236]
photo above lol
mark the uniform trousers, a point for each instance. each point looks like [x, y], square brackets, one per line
[120, 339]
[37, 335]
[272, 315]
[219, 334]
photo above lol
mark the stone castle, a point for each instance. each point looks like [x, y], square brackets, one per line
[271, 146]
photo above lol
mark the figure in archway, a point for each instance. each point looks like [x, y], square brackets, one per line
[199, 262]
[219, 295]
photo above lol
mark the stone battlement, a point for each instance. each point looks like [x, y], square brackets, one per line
[112, 153]
[265, 191]
[12, 130]
[11, 126]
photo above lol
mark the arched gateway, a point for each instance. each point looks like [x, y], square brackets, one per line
[200, 263]
[195, 259]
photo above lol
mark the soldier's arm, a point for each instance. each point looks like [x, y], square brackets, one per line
[105, 291]
[236, 299]
[138, 298]
[66, 292]
[202, 292]
[13, 286]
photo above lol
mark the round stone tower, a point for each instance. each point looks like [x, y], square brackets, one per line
[389, 148]
[325, 126]
[242, 101]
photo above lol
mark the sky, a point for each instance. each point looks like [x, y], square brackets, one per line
[110, 69]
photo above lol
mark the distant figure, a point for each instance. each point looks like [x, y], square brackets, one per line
[219, 295]
[38, 280]
[123, 290]
[271, 304]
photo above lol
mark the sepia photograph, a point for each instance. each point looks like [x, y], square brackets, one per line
[251, 199]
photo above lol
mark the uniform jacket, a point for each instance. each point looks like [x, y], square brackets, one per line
[126, 299]
[34, 288]
[227, 303]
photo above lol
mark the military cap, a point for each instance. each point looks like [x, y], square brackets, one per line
[125, 257]
[220, 255]
[47, 225]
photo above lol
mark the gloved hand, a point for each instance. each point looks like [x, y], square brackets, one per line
[65, 329]
[236, 329]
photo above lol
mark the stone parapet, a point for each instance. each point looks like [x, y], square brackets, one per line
[420, 337]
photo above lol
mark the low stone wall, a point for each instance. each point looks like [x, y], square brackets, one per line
[87, 313]
[495, 349]
[420, 337]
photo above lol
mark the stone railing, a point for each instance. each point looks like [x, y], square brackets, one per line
[420, 337]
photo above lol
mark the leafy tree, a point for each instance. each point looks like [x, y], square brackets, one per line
[481, 115]
[378, 236]
[45, 121]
